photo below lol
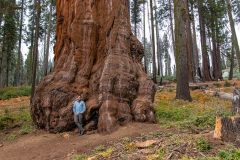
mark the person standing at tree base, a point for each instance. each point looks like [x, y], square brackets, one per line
[79, 108]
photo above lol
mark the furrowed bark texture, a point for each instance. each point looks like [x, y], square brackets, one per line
[96, 56]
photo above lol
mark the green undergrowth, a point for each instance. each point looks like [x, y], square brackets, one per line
[231, 154]
[19, 118]
[203, 145]
[13, 92]
[199, 114]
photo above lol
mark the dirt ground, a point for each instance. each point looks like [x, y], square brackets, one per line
[44, 146]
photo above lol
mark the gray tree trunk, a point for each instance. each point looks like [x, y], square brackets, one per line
[48, 40]
[235, 40]
[35, 50]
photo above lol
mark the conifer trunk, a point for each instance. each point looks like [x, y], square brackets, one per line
[98, 57]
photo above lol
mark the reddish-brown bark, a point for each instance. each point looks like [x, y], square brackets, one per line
[95, 55]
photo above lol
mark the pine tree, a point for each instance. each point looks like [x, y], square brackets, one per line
[19, 58]
[154, 67]
[136, 15]
[37, 4]
[8, 45]
[234, 35]
[205, 59]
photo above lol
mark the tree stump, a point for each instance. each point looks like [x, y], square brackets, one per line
[96, 55]
[227, 128]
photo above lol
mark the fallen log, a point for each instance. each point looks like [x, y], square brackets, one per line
[195, 86]
[221, 95]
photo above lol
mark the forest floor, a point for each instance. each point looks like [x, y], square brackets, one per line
[184, 131]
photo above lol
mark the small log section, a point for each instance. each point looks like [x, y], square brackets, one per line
[228, 128]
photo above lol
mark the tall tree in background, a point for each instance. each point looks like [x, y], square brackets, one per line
[8, 44]
[234, 35]
[46, 56]
[189, 45]
[205, 59]
[171, 25]
[180, 16]
[144, 37]
[37, 5]
[159, 55]
[195, 46]
[166, 54]
[215, 16]
[136, 14]
[231, 61]
[19, 58]
[154, 67]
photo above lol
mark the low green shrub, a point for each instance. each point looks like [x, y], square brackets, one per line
[218, 85]
[203, 145]
[79, 157]
[13, 92]
[229, 154]
[227, 84]
[20, 118]
[26, 129]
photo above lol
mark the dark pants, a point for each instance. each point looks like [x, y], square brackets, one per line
[78, 121]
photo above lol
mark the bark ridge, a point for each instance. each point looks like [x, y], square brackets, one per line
[96, 56]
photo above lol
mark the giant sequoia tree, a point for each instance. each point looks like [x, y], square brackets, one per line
[96, 55]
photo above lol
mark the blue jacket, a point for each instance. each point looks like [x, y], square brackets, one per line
[79, 107]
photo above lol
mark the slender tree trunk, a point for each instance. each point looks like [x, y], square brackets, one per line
[169, 66]
[195, 47]
[214, 50]
[158, 43]
[231, 61]
[235, 40]
[205, 60]
[144, 38]
[216, 58]
[18, 68]
[35, 52]
[2, 68]
[171, 26]
[1, 16]
[219, 60]
[31, 51]
[189, 46]
[48, 40]
[153, 43]
[1, 53]
[180, 16]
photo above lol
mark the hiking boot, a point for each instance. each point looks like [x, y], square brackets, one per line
[81, 132]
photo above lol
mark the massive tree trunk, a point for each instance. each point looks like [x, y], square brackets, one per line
[96, 56]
